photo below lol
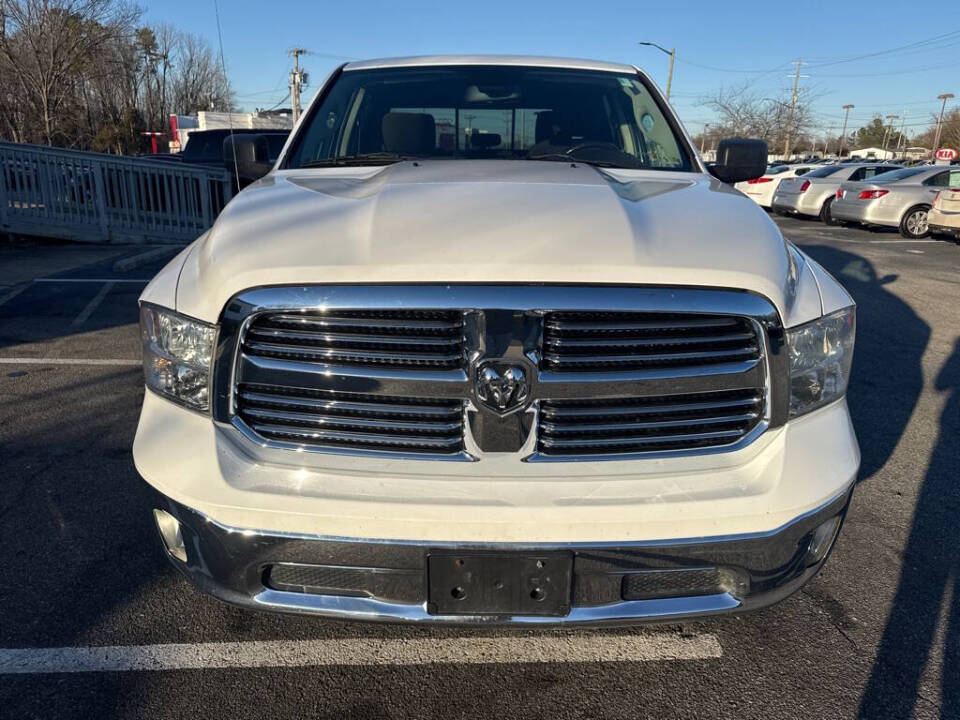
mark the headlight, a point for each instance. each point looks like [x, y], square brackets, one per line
[177, 355]
[820, 356]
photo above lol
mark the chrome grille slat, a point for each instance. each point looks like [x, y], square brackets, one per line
[301, 418]
[349, 408]
[352, 356]
[646, 409]
[584, 341]
[627, 425]
[646, 342]
[375, 323]
[645, 326]
[384, 338]
[308, 336]
[586, 444]
[324, 437]
[323, 419]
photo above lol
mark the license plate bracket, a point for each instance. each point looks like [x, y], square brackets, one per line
[498, 583]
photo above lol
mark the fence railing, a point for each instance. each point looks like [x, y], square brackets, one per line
[94, 197]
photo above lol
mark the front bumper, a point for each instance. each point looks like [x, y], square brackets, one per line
[613, 583]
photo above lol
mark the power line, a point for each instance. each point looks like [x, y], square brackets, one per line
[950, 35]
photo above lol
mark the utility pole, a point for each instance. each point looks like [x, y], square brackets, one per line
[886, 133]
[936, 140]
[902, 140]
[703, 138]
[296, 82]
[843, 135]
[793, 108]
[673, 56]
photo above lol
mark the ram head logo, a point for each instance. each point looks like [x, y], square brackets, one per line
[502, 387]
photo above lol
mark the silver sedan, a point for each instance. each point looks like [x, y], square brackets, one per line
[900, 198]
[813, 194]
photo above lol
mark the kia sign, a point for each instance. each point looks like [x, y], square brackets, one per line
[946, 155]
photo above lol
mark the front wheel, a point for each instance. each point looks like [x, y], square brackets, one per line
[914, 222]
[825, 215]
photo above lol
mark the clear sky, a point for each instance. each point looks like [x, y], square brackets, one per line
[717, 44]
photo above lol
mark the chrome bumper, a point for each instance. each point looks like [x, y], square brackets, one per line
[754, 571]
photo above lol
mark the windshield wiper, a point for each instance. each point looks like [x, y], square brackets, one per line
[377, 158]
[566, 157]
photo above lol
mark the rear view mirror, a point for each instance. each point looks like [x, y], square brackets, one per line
[251, 154]
[740, 159]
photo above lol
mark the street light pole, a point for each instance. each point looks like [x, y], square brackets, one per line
[703, 138]
[936, 140]
[673, 55]
[843, 135]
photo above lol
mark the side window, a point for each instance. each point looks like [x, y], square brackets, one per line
[871, 171]
[858, 174]
[948, 178]
[802, 171]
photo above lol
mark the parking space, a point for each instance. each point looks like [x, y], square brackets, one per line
[94, 622]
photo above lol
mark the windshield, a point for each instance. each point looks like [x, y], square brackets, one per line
[892, 175]
[824, 171]
[605, 118]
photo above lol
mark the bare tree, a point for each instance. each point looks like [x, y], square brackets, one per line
[745, 113]
[48, 44]
[198, 80]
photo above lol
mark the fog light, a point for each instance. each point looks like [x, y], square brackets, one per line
[821, 540]
[169, 528]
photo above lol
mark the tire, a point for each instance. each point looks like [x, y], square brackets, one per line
[825, 215]
[913, 224]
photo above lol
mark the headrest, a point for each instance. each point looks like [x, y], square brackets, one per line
[409, 133]
[545, 129]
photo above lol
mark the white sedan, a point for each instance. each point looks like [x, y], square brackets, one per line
[762, 189]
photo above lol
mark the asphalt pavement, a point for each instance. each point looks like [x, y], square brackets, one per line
[95, 624]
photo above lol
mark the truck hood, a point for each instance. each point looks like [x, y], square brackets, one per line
[491, 221]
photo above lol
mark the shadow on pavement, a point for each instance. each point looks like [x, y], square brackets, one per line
[930, 577]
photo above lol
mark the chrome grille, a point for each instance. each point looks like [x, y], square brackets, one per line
[601, 341]
[648, 424]
[394, 338]
[351, 420]
[609, 372]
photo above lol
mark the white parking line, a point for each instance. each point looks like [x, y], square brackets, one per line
[363, 651]
[65, 361]
[11, 294]
[92, 305]
[884, 242]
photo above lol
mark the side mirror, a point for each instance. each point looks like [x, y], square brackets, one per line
[739, 159]
[252, 157]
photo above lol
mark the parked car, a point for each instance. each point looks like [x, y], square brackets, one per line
[815, 193]
[761, 189]
[899, 198]
[944, 215]
[560, 374]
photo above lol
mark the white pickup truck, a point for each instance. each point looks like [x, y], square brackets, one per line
[489, 343]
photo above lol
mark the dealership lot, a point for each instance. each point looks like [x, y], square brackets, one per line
[94, 623]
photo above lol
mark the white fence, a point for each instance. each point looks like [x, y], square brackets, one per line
[94, 197]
